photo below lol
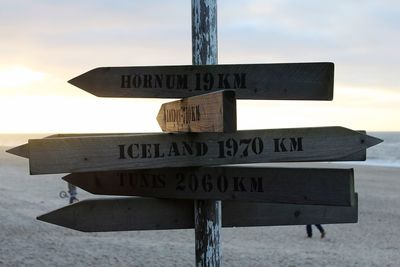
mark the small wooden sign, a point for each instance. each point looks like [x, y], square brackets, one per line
[125, 152]
[287, 81]
[273, 185]
[128, 214]
[213, 112]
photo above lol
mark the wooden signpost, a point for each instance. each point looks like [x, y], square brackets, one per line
[180, 169]
[127, 152]
[128, 214]
[213, 112]
[294, 81]
[274, 185]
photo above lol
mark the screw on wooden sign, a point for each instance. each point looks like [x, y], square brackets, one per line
[127, 214]
[286, 81]
[213, 112]
[261, 184]
[103, 153]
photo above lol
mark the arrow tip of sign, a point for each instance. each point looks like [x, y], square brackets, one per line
[75, 81]
[161, 117]
[64, 217]
[21, 151]
[370, 140]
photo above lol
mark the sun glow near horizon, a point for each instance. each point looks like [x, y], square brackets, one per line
[355, 108]
[15, 76]
[30, 104]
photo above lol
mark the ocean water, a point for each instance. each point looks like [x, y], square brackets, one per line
[384, 154]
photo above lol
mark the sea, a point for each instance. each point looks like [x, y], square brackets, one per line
[385, 154]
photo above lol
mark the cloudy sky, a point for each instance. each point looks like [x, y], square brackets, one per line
[46, 43]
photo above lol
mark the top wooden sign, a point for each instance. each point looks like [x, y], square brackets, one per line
[288, 81]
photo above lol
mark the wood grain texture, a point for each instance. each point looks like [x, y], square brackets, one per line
[286, 81]
[128, 214]
[128, 152]
[274, 185]
[23, 150]
[213, 112]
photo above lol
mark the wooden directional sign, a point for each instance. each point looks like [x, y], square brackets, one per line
[127, 214]
[296, 81]
[213, 112]
[274, 185]
[23, 150]
[125, 152]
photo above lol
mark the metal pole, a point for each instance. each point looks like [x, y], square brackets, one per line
[207, 213]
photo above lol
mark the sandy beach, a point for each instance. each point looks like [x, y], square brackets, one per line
[24, 241]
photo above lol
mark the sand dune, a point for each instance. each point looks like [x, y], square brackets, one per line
[24, 241]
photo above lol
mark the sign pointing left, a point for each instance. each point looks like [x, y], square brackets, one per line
[128, 152]
[128, 214]
[213, 112]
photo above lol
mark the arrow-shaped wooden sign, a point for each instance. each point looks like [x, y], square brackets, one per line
[288, 81]
[127, 214]
[213, 112]
[23, 150]
[274, 185]
[127, 152]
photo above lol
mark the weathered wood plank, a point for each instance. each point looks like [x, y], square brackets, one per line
[104, 153]
[287, 81]
[213, 112]
[23, 150]
[128, 214]
[207, 213]
[274, 185]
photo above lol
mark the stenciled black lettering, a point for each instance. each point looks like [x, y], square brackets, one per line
[256, 184]
[137, 81]
[201, 149]
[130, 151]
[223, 82]
[208, 79]
[279, 145]
[170, 81]
[181, 81]
[198, 77]
[239, 80]
[222, 183]
[296, 144]
[144, 183]
[238, 185]
[146, 151]
[282, 144]
[193, 182]
[206, 182]
[173, 149]
[157, 151]
[180, 183]
[158, 81]
[159, 181]
[198, 113]
[147, 81]
[125, 81]
[187, 149]
[121, 151]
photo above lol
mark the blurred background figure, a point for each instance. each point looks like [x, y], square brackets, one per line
[320, 228]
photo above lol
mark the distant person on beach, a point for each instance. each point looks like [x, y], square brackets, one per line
[72, 191]
[309, 230]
